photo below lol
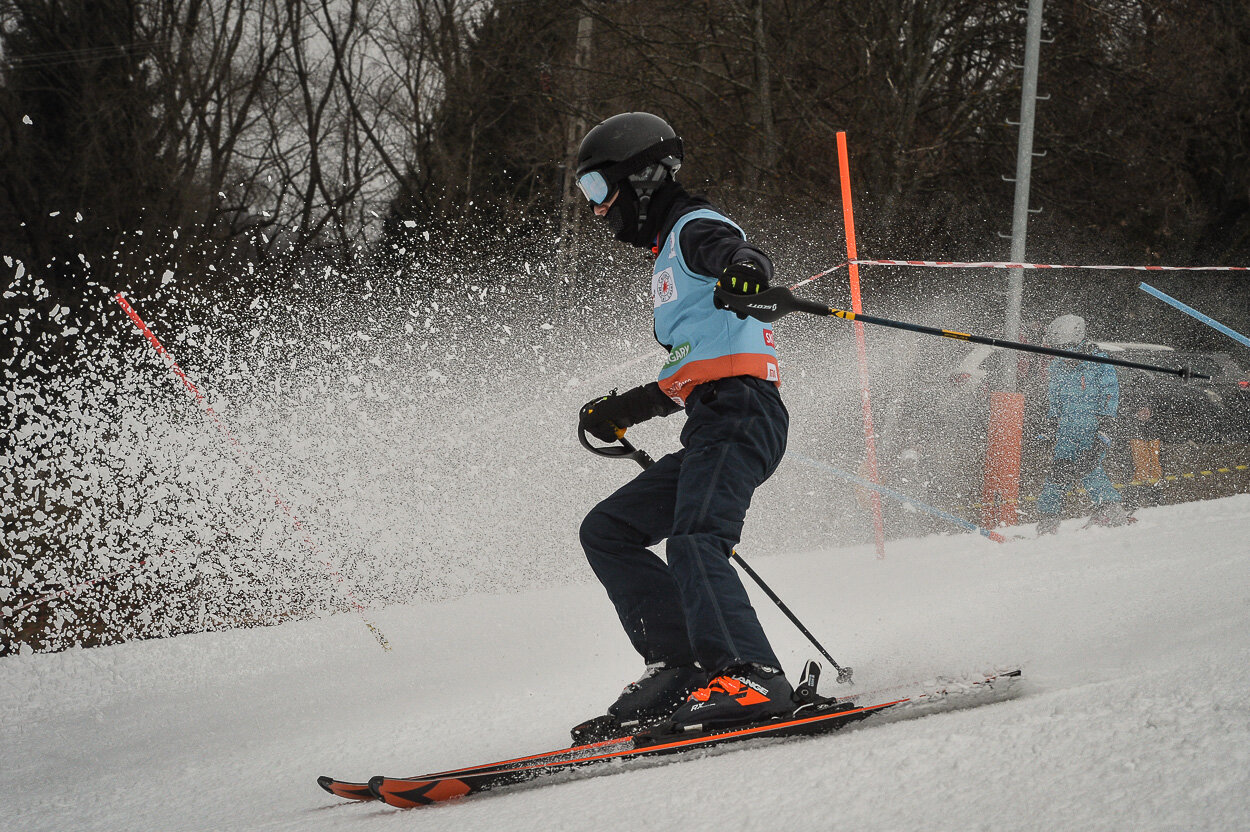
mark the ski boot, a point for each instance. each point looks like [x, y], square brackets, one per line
[660, 691]
[739, 695]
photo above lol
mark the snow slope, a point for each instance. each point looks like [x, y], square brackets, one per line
[1135, 644]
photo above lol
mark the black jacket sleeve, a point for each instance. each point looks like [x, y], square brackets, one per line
[649, 401]
[627, 409]
[710, 245]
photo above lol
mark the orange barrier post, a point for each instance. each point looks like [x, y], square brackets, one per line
[870, 441]
[1001, 491]
[1146, 465]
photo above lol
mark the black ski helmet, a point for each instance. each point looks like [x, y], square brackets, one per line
[624, 140]
[635, 153]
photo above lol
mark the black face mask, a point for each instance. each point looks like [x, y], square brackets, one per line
[622, 217]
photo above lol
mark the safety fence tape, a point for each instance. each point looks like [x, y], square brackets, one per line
[817, 276]
[950, 264]
[997, 264]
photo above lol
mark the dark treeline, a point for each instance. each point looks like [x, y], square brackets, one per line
[219, 138]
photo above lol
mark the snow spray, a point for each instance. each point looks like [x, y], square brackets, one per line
[233, 442]
[77, 588]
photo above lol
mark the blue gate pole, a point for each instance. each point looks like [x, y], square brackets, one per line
[1194, 313]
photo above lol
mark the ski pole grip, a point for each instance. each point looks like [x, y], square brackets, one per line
[623, 448]
[770, 305]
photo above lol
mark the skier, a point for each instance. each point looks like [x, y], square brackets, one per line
[708, 661]
[1084, 397]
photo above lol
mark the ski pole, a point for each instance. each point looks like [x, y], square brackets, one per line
[774, 303]
[626, 449]
[844, 673]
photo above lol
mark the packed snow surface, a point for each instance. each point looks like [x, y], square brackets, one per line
[1134, 713]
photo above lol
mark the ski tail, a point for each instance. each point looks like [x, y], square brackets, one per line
[360, 791]
[343, 789]
[409, 794]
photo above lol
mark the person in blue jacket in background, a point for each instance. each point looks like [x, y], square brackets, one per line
[1084, 398]
[708, 661]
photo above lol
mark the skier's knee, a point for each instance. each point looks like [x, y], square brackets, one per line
[596, 529]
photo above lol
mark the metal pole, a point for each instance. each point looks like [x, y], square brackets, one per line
[572, 206]
[1024, 168]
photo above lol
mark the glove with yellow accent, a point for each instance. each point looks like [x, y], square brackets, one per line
[607, 417]
[742, 278]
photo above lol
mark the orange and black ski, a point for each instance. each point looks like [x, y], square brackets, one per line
[810, 720]
[407, 793]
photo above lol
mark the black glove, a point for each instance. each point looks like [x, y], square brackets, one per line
[607, 417]
[742, 278]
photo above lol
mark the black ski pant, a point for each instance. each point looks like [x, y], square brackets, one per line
[694, 607]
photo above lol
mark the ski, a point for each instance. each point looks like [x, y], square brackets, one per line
[813, 719]
[589, 738]
[407, 793]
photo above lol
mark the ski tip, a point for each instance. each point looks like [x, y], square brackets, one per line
[409, 794]
[348, 791]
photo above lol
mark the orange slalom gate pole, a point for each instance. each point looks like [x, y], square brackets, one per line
[861, 344]
[1000, 493]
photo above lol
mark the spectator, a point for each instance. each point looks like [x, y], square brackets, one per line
[1084, 397]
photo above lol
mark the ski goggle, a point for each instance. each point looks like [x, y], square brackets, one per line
[594, 187]
[597, 185]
